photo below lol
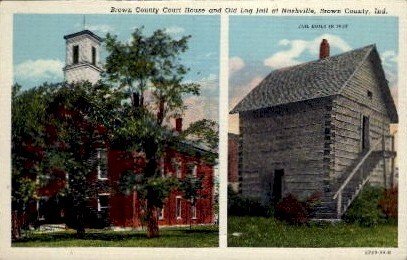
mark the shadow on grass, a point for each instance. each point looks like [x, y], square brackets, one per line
[105, 235]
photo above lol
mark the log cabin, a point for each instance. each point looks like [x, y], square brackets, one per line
[321, 127]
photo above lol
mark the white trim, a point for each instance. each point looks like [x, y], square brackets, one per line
[195, 170]
[99, 161]
[161, 213]
[194, 211]
[180, 207]
[98, 200]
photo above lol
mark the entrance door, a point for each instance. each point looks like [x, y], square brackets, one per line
[365, 134]
[278, 185]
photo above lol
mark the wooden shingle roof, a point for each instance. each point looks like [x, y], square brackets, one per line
[315, 79]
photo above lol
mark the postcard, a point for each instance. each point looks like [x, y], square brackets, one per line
[231, 130]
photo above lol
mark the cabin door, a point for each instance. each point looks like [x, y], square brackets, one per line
[278, 185]
[365, 134]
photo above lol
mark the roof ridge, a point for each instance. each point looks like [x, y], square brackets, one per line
[327, 58]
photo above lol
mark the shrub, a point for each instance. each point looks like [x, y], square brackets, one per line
[365, 209]
[239, 205]
[389, 202]
[293, 211]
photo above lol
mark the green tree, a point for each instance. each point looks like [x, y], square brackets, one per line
[191, 186]
[80, 116]
[149, 64]
[28, 149]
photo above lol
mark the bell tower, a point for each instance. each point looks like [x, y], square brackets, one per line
[82, 57]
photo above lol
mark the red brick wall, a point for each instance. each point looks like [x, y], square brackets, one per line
[121, 206]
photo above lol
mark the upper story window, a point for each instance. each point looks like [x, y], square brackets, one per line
[102, 164]
[176, 165]
[192, 169]
[93, 55]
[75, 54]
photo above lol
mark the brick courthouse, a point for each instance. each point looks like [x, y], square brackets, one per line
[110, 207]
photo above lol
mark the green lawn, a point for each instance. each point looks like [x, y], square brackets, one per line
[267, 232]
[199, 236]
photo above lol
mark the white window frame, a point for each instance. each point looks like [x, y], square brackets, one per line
[99, 169]
[195, 170]
[161, 213]
[193, 212]
[100, 208]
[178, 166]
[178, 210]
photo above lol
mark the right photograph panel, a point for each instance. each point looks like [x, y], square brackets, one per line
[312, 144]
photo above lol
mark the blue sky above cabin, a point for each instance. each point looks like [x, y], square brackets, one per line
[39, 48]
[259, 45]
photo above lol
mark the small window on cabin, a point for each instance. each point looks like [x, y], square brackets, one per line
[369, 94]
[93, 55]
[75, 54]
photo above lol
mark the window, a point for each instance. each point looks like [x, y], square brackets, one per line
[103, 202]
[192, 169]
[193, 212]
[161, 213]
[75, 54]
[42, 207]
[178, 207]
[102, 164]
[93, 55]
[176, 165]
[369, 94]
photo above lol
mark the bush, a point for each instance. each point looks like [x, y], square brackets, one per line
[389, 203]
[239, 205]
[293, 211]
[365, 209]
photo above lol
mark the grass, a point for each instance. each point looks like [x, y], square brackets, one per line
[199, 236]
[268, 232]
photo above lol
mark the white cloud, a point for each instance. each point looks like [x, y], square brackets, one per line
[235, 64]
[103, 28]
[40, 69]
[389, 58]
[174, 30]
[291, 56]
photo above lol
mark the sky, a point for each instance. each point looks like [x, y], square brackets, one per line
[259, 45]
[39, 49]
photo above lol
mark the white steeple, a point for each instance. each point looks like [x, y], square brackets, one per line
[82, 57]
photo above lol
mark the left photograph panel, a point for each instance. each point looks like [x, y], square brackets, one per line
[115, 130]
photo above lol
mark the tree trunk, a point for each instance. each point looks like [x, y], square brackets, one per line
[16, 225]
[80, 220]
[152, 221]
